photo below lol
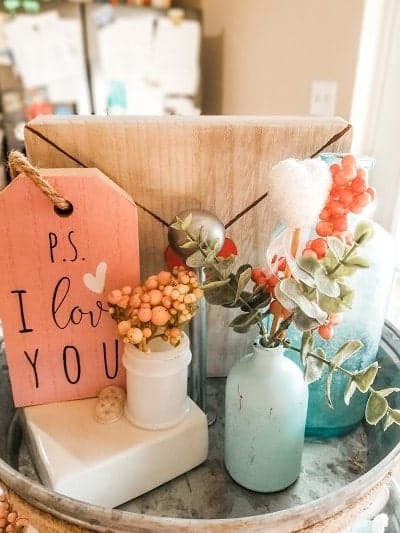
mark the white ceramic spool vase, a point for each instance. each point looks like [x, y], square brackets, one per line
[156, 383]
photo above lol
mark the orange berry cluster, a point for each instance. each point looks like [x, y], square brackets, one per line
[269, 282]
[9, 519]
[326, 330]
[350, 193]
[166, 300]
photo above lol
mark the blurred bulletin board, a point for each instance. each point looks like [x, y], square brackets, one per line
[48, 51]
[142, 61]
[109, 59]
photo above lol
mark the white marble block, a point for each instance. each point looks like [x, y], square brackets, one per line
[108, 464]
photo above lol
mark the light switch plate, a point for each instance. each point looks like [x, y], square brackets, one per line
[323, 98]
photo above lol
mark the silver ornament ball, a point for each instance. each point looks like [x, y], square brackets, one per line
[214, 227]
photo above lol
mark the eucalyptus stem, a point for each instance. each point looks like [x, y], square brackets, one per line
[283, 326]
[342, 261]
[204, 248]
[323, 360]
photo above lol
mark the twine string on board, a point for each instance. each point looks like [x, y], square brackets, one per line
[19, 164]
[239, 215]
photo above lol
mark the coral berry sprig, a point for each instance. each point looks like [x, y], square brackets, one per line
[345, 192]
[160, 307]
[303, 283]
[350, 193]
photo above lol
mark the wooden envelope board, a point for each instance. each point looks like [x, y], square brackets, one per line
[55, 273]
[170, 164]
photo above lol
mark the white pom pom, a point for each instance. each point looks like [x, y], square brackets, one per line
[298, 190]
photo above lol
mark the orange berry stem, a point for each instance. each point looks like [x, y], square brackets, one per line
[275, 323]
[295, 242]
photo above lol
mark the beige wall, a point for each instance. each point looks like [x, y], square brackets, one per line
[260, 56]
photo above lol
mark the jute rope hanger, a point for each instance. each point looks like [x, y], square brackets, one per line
[19, 163]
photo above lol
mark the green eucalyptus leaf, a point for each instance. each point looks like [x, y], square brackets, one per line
[244, 320]
[196, 260]
[326, 285]
[313, 370]
[344, 271]
[350, 389]
[329, 262]
[375, 409]
[358, 261]
[306, 345]
[246, 295]
[388, 422]
[223, 295]
[259, 300]
[243, 276]
[337, 247]
[302, 270]
[366, 377]
[186, 222]
[203, 234]
[346, 295]
[292, 289]
[337, 305]
[213, 244]
[210, 257]
[304, 322]
[363, 232]
[346, 351]
[284, 300]
[328, 384]
[213, 284]
[177, 224]
[243, 269]
[189, 245]
[309, 265]
[319, 351]
[386, 392]
[395, 415]
[225, 266]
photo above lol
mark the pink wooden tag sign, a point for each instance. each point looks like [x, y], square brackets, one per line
[55, 272]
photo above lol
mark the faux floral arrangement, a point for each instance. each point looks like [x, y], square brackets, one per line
[160, 307]
[304, 280]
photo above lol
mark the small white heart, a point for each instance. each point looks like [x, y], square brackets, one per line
[96, 283]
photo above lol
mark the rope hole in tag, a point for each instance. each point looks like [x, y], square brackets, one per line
[64, 211]
[19, 164]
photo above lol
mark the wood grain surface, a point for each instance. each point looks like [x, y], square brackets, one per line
[170, 164]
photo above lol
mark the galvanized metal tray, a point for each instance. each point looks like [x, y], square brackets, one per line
[341, 479]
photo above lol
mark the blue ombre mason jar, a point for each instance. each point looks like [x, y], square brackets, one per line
[364, 321]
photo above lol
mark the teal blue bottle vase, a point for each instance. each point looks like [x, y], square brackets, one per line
[265, 415]
[365, 322]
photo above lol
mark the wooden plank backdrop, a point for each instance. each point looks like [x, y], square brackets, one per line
[170, 164]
